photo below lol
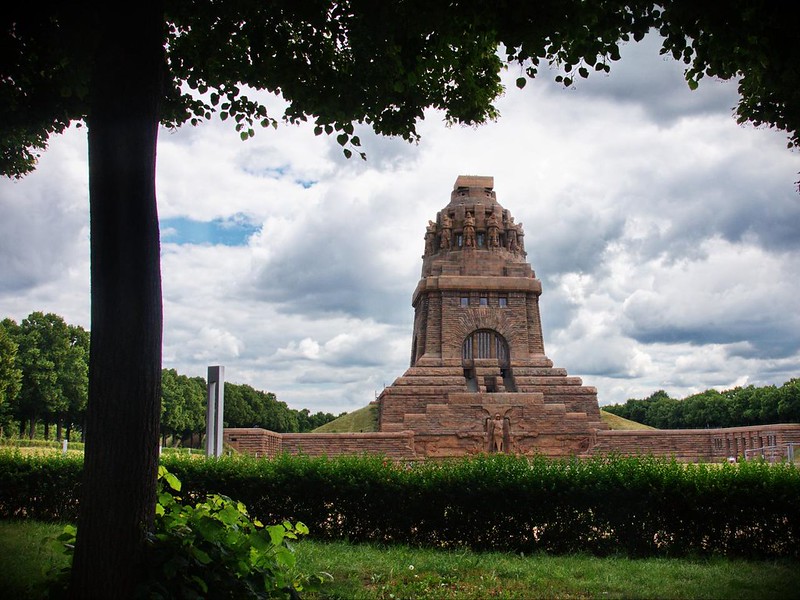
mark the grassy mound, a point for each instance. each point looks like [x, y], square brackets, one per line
[361, 420]
[619, 423]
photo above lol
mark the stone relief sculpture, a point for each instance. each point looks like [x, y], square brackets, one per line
[469, 230]
[520, 239]
[511, 236]
[494, 231]
[447, 225]
[430, 238]
[495, 429]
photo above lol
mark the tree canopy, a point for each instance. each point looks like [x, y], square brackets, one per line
[735, 407]
[46, 382]
[382, 64]
[51, 358]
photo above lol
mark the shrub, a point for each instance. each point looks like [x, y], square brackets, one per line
[41, 487]
[212, 549]
[635, 506]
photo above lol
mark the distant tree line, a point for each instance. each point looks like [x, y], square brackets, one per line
[736, 407]
[44, 385]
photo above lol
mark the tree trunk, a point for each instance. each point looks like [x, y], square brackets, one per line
[46, 429]
[31, 428]
[59, 428]
[122, 421]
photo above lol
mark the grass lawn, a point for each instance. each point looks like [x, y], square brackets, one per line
[366, 571]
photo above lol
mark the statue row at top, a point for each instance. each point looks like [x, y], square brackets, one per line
[508, 235]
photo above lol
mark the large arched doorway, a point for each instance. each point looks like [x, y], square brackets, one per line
[485, 359]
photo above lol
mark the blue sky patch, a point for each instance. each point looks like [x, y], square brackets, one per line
[234, 231]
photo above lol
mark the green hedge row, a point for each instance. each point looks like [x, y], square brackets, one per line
[39, 486]
[635, 506]
[26, 443]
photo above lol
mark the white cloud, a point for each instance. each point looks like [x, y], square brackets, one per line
[665, 236]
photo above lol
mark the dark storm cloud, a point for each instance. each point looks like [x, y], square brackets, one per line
[656, 85]
[755, 333]
[41, 231]
[724, 202]
[337, 265]
[572, 240]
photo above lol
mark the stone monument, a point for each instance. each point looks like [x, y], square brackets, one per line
[479, 379]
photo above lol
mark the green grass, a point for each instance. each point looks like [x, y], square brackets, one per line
[363, 571]
[25, 560]
[620, 423]
[367, 572]
[364, 419]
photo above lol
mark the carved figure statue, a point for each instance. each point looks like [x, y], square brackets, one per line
[447, 225]
[430, 237]
[496, 433]
[469, 230]
[494, 231]
[520, 238]
[511, 236]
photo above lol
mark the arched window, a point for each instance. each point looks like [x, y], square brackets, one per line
[485, 343]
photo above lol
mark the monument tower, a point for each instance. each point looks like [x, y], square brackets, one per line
[479, 379]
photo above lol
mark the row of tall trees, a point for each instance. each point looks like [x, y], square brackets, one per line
[44, 374]
[183, 410]
[44, 380]
[736, 407]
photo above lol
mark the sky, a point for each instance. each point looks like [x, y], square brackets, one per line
[665, 236]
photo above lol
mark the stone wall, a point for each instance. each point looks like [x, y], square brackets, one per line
[558, 433]
[264, 443]
[697, 445]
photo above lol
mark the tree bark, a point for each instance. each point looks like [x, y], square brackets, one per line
[121, 452]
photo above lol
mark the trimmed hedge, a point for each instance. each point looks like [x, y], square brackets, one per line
[38, 486]
[25, 443]
[634, 506]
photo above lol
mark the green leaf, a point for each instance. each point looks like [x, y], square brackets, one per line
[521, 81]
[276, 534]
[342, 138]
[172, 481]
[347, 153]
[202, 557]
[200, 583]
